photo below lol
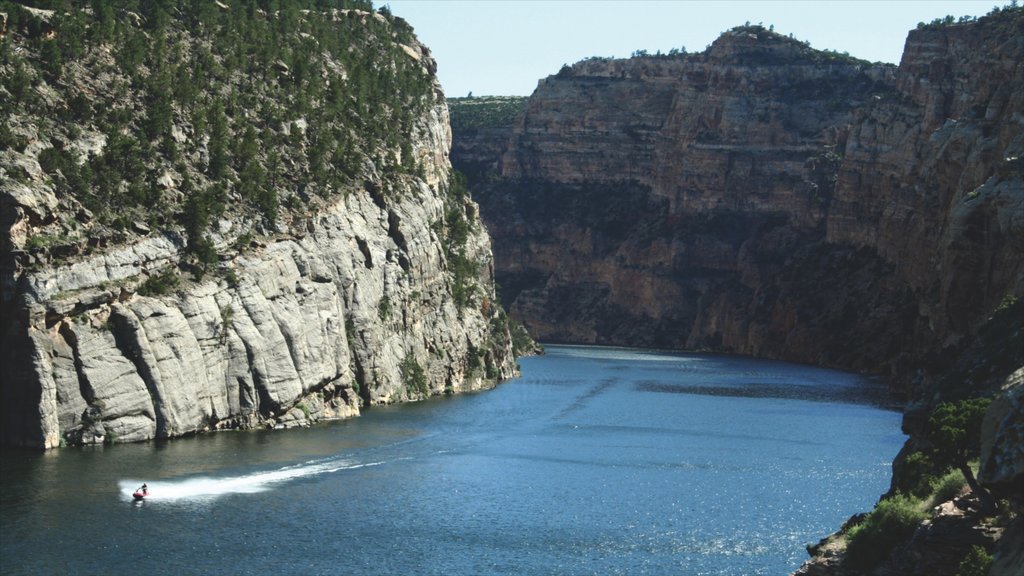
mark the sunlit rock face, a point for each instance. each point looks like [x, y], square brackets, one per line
[765, 198]
[357, 293]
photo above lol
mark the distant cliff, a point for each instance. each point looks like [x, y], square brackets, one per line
[769, 199]
[217, 217]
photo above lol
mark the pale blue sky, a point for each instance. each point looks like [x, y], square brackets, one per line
[502, 47]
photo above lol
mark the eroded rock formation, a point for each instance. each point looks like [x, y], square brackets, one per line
[769, 199]
[345, 296]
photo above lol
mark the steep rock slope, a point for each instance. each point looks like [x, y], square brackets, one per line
[481, 126]
[277, 244]
[769, 199]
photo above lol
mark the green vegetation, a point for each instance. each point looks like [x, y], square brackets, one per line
[1007, 303]
[947, 487]
[522, 342]
[161, 284]
[950, 20]
[384, 309]
[977, 563]
[455, 229]
[892, 521]
[227, 319]
[814, 55]
[922, 477]
[672, 53]
[413, 376]
[473, 113]
[239, 107]
[954, 430]
[942, 467]
[43, 241]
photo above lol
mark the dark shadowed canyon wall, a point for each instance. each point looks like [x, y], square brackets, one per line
[766, 198]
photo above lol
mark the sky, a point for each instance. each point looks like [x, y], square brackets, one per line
[503, 47]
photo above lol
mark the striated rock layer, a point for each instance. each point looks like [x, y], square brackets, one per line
[346, 299]
[769, 199]
[298, 337]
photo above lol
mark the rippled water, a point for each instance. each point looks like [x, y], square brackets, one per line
[596, 461]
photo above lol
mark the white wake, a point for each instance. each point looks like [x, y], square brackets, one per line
[207, 487]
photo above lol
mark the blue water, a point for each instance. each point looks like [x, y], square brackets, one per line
[596, 461]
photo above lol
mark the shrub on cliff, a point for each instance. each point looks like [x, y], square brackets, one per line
[891, 522]
[413, 377]
[947, 487]
[977, 563]
[954, 431]
[160, 284]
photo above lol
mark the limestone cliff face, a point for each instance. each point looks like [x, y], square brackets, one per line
[344, 300]
[769, 199]
[298, 336]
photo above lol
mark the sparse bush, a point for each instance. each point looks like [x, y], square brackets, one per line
[40, 241]
[917, 475]
[954, 430]
[464, 283]
[227, 320]
[891, 522]
[977, 563]
[160, 284]
[522, 342]
[384, 308]
[947, 487]
[413, 376]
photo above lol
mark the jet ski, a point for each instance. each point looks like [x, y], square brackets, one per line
[141, 493]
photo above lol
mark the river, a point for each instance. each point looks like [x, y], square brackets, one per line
[596, 461]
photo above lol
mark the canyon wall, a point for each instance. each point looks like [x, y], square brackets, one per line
[769, 199]
[350, 293]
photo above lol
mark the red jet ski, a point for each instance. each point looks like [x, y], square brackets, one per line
[141, 493]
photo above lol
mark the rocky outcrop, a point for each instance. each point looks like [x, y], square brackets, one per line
[1002, 440]
[769, 199]
[346, 299]
[1001, 467]
[297, 336]
[936, 547]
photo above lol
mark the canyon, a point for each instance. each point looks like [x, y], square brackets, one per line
[768, 199]
[765, 198]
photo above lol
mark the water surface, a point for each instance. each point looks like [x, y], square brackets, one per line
[596, 461]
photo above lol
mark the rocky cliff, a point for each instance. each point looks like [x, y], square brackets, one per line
[272, 241]
[768, 199]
